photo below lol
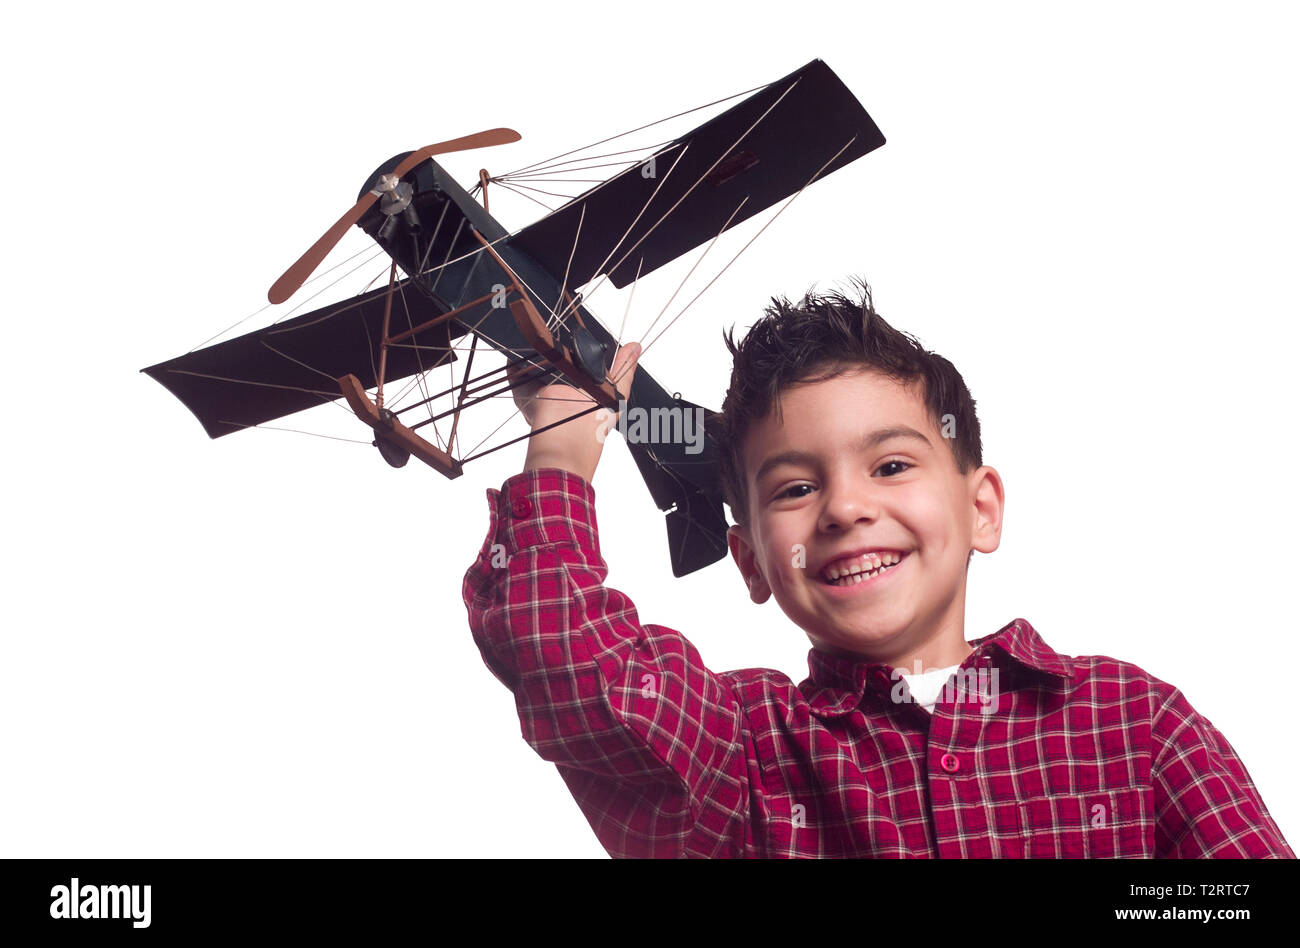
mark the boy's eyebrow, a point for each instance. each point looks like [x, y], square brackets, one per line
[876, 437]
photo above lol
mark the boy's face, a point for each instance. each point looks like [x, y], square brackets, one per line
[839, 475]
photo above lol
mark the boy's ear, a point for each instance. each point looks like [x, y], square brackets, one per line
[742, 551]
[989, 502]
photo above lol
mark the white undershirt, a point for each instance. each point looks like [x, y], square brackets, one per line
[928, 686]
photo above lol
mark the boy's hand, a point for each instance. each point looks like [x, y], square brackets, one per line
[576, 445]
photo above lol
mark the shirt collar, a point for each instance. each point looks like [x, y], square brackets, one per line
[835, 685]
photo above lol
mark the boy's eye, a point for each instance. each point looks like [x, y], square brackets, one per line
[901, 464]
[898, 468]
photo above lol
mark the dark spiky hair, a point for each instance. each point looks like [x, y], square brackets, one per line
[816, 339]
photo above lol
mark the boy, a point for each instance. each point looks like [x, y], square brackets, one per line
[851, 461]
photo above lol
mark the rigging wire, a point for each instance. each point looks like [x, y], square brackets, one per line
[314, 434]
[334, 401]
[269, 305]
[693, 268]
[524, 187]
[779, 212]
[638, 129]
[420, 376]
[511, 187]
[222, 378]
[572, 250]
[556, 167]
[701, 178]
[623, 326]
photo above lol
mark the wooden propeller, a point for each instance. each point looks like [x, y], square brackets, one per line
[297, 274]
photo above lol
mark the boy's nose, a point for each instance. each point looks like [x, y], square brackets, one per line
[844, 506]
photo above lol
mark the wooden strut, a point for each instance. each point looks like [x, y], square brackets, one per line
[473, 347]
[385, 423]
[383, 337]
[393, 431]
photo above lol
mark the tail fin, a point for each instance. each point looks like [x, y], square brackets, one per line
[682, 476]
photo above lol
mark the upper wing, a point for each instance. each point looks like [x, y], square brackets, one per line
[765, 148]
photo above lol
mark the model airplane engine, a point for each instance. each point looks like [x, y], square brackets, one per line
[400, 205]
[395, 198]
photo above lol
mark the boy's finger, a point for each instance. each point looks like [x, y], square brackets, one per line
[624, 367]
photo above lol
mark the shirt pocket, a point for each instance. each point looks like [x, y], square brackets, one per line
[1109, 824]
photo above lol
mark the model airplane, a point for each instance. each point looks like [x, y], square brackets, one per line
[465, 275]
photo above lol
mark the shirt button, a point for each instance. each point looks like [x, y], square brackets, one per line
[950, 763]
[521, 508]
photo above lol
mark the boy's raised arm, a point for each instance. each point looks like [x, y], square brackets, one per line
[649, 741]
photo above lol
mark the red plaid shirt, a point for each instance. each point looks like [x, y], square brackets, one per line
[1084, 756]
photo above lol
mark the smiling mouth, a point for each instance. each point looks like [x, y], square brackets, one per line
[863, 572]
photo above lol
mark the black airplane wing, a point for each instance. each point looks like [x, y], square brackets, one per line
[765, 148]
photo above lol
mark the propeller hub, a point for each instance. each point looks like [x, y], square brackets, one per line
[396, 194]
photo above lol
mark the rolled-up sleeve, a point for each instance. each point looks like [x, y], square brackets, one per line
[650, 742]
[1206, 804]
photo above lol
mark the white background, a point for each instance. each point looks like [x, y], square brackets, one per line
[257, 646]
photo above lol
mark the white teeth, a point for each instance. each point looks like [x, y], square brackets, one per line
[862, 567]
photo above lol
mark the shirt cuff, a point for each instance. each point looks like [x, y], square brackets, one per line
[542, 507]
